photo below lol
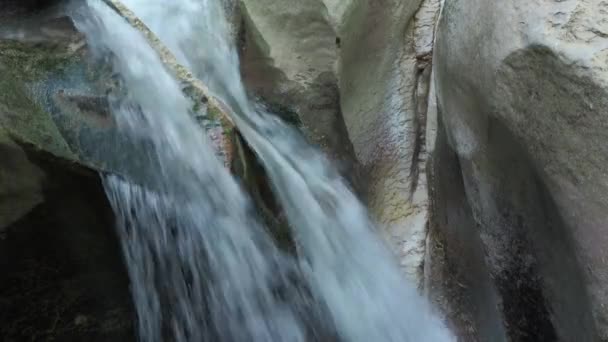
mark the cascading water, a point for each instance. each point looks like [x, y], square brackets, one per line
[201, 265]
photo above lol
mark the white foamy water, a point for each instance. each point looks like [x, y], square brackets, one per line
[202, 266]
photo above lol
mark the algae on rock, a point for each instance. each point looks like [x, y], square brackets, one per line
[20, 115]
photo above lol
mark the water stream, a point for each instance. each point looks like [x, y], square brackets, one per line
[201, 264]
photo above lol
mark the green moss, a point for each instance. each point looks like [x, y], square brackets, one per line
[30, 62]
[228, 130]
[214, 113]
[196, 107]
[20, 115]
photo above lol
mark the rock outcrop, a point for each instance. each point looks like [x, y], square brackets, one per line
[288, 55]
[522, 92]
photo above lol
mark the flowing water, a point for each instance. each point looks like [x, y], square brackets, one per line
[201, 264]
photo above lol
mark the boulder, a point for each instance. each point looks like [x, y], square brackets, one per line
[522, 91]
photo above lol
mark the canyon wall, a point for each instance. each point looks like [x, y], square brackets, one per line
[521, 90]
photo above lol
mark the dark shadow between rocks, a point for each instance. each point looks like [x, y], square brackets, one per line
[503, 260]
[459, 279]
[529, 246]
[62, 276]
[12, 8]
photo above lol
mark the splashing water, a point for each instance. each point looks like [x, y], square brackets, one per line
[202, 266]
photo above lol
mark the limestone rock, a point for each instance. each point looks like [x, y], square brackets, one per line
[522, 87]
[302, 52]
[289, 52]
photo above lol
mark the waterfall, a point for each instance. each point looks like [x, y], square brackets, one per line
[201, 264]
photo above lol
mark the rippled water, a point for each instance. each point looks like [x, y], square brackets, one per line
[202, 266]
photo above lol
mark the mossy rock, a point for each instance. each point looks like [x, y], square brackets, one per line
[56, 98]
[21, 65]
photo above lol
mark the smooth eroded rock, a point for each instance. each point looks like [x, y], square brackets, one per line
[288, 54]
[523, 93]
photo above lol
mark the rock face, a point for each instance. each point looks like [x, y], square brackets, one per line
[384, 75]
[354, 71]
[289, 51]
[522, 90]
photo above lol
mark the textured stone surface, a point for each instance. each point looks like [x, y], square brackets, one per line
[384, 84]
[523, 92]
[289, 52]
[355, 71]
[56, 94]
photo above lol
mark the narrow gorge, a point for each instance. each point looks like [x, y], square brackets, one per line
[303, 170]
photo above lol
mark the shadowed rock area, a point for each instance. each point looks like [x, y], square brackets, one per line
[61, 271]
[522, 93]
